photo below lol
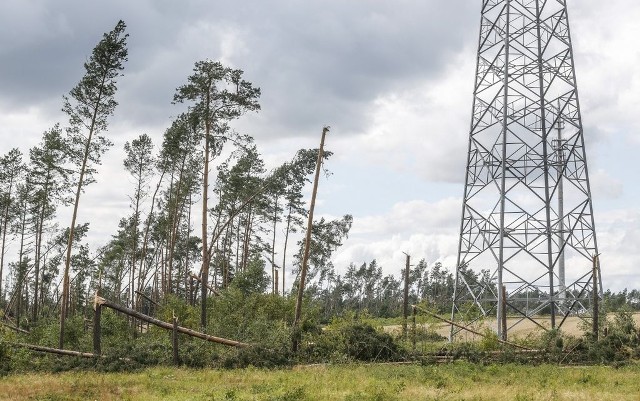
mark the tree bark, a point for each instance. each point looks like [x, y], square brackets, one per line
[205, 212]
[307, 242]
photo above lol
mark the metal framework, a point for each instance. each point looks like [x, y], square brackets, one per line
[527, 201]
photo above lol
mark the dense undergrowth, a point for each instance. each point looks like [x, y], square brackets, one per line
[264, 321]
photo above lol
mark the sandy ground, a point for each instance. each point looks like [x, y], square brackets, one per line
[518, 327]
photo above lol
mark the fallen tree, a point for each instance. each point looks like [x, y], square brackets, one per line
[100, 302]
[57, 351]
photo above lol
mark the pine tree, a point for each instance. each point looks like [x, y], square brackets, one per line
[220, 95]
[11, 169]
[139, 162]
[92, 102]
[49, 180]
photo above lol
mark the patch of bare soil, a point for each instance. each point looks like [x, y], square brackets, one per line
[518, 327]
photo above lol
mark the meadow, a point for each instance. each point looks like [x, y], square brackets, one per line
[362, 382]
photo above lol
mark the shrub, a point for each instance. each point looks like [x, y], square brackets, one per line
[344, 340]
[257, 356]
[363, 343]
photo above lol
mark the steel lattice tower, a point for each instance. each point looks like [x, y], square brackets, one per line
[527, 219]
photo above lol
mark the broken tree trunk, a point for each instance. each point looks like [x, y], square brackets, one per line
[97, 328]
[143, 295]
[307, 242]
[17, 329]
[55, 350]
[168, 326]
[213, 290]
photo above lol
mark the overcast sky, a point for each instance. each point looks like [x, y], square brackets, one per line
[393, 79]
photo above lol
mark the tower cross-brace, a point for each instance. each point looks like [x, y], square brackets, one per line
[527, 217]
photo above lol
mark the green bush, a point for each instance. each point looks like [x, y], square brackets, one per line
[363, 343]
[349, 340]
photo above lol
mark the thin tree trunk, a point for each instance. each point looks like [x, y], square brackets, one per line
[274, 279]
[247, 239]
[238, 247]
[305, 258]
[205, 212]
[145, 240]
[21, 274]
[5, 225]
[169, 326]
[39, 231]
[65, 286]
[284, 252]
[187, 270]
[169, 234]
[134, 245]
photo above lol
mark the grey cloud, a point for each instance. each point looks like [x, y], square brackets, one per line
[317, 61]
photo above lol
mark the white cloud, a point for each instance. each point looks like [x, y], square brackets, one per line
[421, 129]
[618, 237]
[424, 230]
[605, 186]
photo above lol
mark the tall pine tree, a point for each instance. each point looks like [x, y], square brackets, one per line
[90, 104]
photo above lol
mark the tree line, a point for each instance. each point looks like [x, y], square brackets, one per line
[247, 213]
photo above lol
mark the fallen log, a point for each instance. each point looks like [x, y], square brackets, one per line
[213, 290]
[165, 325]
[19, 330]
[57, 351]
[145, 296]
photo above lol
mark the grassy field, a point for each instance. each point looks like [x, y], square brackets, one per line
[458, 381]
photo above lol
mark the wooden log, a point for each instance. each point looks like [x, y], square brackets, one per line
[213, 290]
[55, 350]
[169, 326]
[17, 329]
[143, 295]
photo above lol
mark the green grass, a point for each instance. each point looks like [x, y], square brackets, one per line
[458, 381]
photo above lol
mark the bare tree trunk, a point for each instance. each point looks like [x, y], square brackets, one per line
[5, 225]
[274, 279]
[247, 239]
[205, 212]
[65, 286]
[187, 270]
[284, 252]
[21, 275]
[307, 242]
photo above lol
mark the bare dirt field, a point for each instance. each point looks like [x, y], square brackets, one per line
[518, 327]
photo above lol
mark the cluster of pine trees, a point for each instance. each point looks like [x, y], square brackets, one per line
[47, 268]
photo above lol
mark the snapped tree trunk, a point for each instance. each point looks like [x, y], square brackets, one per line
[307, 243]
